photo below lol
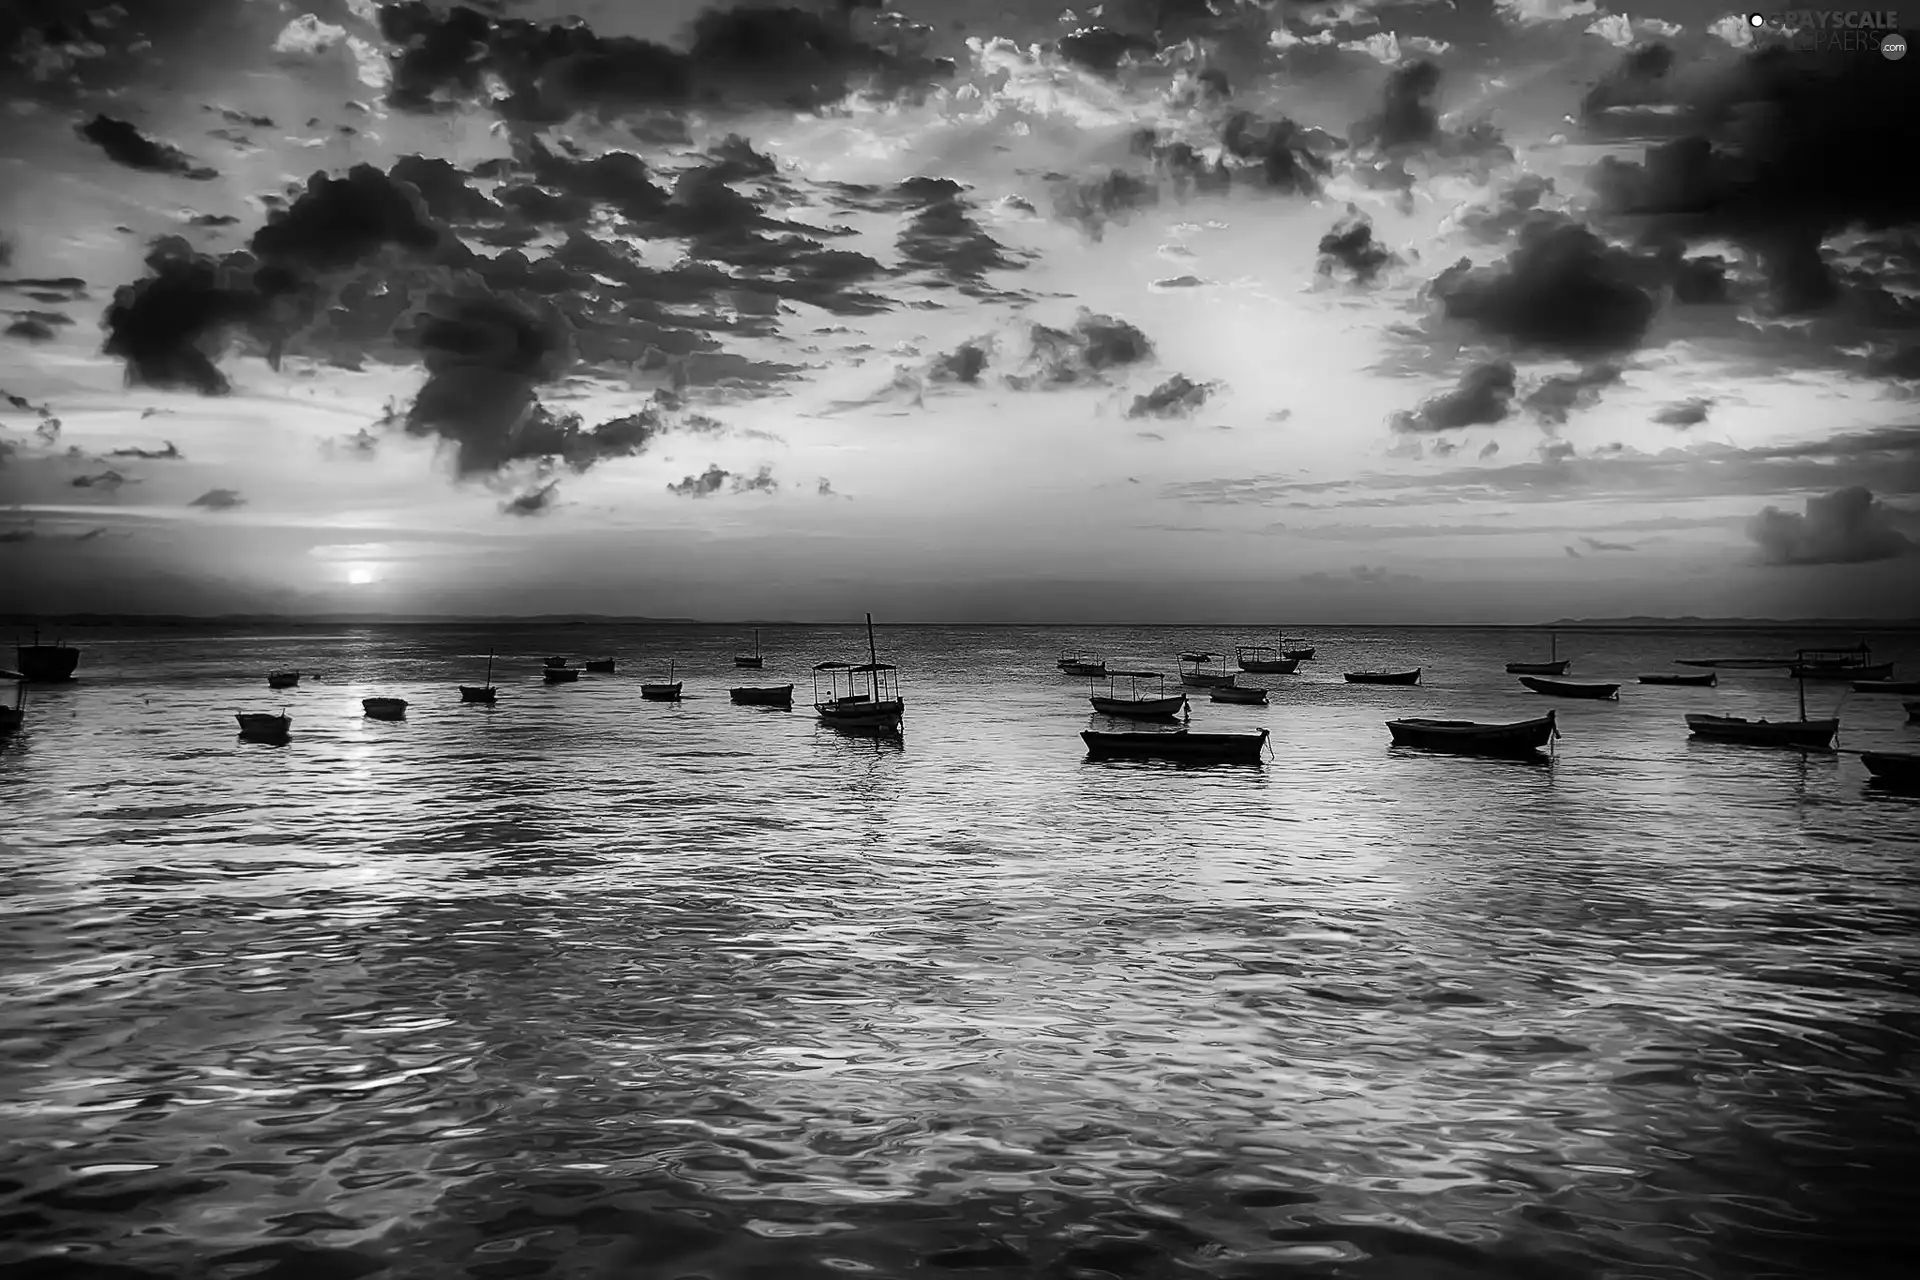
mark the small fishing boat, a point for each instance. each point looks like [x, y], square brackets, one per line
[1557, 667]
[1384, 677]
[1194, 677]
[779, 695]
[1805, 734]
[1238, 694]
[283, 679]
[384, 708]
[1179, 744]
[556, 662]
[1265, 660]
[1896, 768]
[880, 709]
[1736, 664]
[11, 718]
[1522, 738]
[1707, 681]
[561, 675]
[602, 665]
[1297, 655]
[665, 691]
[46, 663]
[1571, 688]
[1134, 707]
[1854, 663]
[1087, 669]
[751, 660]
[1886, 686]
[257, 726]
[481, 692]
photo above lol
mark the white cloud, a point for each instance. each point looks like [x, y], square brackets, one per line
[1536, 12]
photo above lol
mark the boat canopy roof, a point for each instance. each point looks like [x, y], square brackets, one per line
[1134, 675]
[831, 666]
[1197, 657]
[865, 667]
[1848, 652]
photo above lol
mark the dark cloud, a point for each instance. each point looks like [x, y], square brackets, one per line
[1406, 114]
[1685, 413]
[1642, 77]
[1350, 244]
[942, 237]
[1065, 357]
[219, 500]
[1562, 393]
[1572, 553]
[535, 501]
[212, 220]
[1508, 210]
[1101, 49]
[108, 480]
[126, 145]
[1553, 452]
[1483, 396]
[1595, 544]
[715, 478]
[1177, 397]
[1285, 156]
[30, 329]
[1489, 449]
[1847, 526]
[1563, 289]
[1098, 201]
[965, 363]
[169, 454]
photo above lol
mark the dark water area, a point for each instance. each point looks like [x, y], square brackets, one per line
[585, 986]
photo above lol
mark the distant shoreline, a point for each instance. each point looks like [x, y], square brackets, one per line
[19, 622]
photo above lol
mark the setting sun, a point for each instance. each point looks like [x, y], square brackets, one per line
[360, 575]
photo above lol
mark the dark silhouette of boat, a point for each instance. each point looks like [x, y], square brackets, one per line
[1707, 681]
[881, 708]
[1893, 768]
[1804, 734]
[666, 691]
[1384, 677]
[1134, 707]
[1886, 686]
[1265, 660]
[1557, 667]
[560, 675]
[602, 665]
[556, 662]
[283, 679]
[13, 717]
[1197, 678]
[1178, 744]
[481, 692]
[752, 660]
[1571, 688]
[1071, 658]
[384, 708]
[1466, 737]
[1086, 669]
[1854, 663]
[46, 663]
[1238, 694]
[780, 695]
[258, 726]
[1296, 655]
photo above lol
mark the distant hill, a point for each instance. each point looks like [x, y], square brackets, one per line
[1741, 624]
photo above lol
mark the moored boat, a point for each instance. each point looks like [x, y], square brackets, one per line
[258, 726]
[1238, 694]
[752, 660]
[667, 690]
[1571, 688]
[880, 709]
[602, 665]
[384, 708]
[1886, 686]
[1134, 707]
[1384, 677]
[556, 662]
[485, 693]
[1899, 768]
[1522, 738]
[561, 675]
[282, 679]
[46, 663]
[1086, 669]
[763, 696]
[1265, 660]
[1178, 744]
[1298, 655]
[1809, 735]
[13, 717]
[1194, 675]
[1853, 663]
[1707, 681]
[1557, 667]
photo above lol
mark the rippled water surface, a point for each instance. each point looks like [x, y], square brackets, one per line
[581, 985]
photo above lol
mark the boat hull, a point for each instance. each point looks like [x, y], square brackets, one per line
[1807, 735]
[283, 680]
[1384, 677]
[1270, 667]
[1899, 767]
[1141, 708]
[46, 663]
[1736, 664]
[1180, 745]
[1563, 689]
[752, 663]
[1820, 671]
[1205, 680]
[1299, 655]
[1464, 737]
[602, 665]
[561, 675]
[1707, 681]
[1084, 668]
[384, 708]
[781, 696]
[478, 693]
[1246, 697]
[11, 718]
[862, 714]
[1539, 668]
[260, 727]
[661, 692]
[1886, 686]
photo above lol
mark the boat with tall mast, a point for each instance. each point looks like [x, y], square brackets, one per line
[753, 659]
[1853, 663]
[46, 663]
[667, 690]
[880, 708]
[481, 692]
[1805, 734]
[1557, 667]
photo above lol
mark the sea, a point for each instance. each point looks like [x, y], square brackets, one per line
[580, 985]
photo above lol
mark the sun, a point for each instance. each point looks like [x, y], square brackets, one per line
[360, 575]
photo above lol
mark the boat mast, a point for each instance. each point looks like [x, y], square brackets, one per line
[873, 661]
[1802, 682]
[489, 680]
[756, 642]
[1553, 639]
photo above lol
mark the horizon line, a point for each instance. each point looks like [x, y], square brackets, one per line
[1639, 621]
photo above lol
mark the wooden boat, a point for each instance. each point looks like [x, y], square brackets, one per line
[1134, 707]
[1855, 663]
[1180, 744]
[751, 660]
[1088, 669]
[1807, 735]
[561, 675]
[1522, 738]
[1886, 686]
[780, 695]
[13, 717]
[481, 692]
[1707, 681]
[283, 679]
[1557, 667]
[602, 665]
[1736, 664]
[1260, 659]
[46, 663]
[879, 709]
[1901, 768]
[384, 708]
[1571, 688]
[1384, 677]
[1239, 694]
[666, 691]
[257, 726]
[1198, 679]
[1298, 655]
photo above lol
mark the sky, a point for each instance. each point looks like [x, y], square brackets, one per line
[957, 311]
